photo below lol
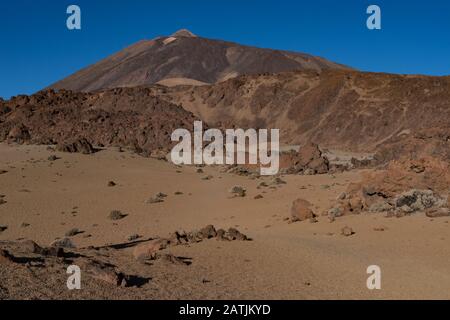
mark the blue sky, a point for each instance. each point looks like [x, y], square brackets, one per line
[37, 49]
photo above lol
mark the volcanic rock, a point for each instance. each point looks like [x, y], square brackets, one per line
[347, 231]
[149, 249]
[238, 191]
[78, 146]
[301, 210]
[116, 215]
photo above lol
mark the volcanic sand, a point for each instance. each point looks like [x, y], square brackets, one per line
[301, 260]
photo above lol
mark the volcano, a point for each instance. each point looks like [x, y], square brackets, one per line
[186, 59]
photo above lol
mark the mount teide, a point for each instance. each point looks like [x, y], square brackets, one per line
[184, 58]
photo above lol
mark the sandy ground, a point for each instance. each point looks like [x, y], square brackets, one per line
[284, 261]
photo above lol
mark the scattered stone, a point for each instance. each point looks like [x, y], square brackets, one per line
[154, 200]
[381, 228]
[438, 213]
[148, 250]
[178, 193]
[179, 237]
[62, 243]
[3, 228]
[380, 206]
[170, 258]
[277, 181]
[258, 196]
[111, 184]
[207, 177]
[31, 247]
[301, 210]
[238, 170]
[158, 198]
[342, 196]
[208, 232]
[73, 232]
[78, 146]
[334, 213]
[234, 234]
[3, 171]
[313, 220]
[355, 205]
[417, 200]
[24, 225]
[307, 160]
[238, 191]
[116, 215]
[6, 257]
[199, 170]
[262, 185]
[347, 231]
[52, 158]
[133, 237]
[102, 271]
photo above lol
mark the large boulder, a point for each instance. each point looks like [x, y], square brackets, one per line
[308, 160]
[81, 145]
[404, 187]
[301, 210]
[149, 249]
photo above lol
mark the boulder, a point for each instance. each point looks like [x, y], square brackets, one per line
[301, 210]
[234, 234]
[62, 243]
[238, 191]
[417, 200]
[149, 249]
[307, 160]
[438, 213]
[208, 232]
[6, 257]
[347, 231]
[81, 145]
[102, 271]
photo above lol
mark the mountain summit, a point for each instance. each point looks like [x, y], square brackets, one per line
[184, 58]
[184, 33]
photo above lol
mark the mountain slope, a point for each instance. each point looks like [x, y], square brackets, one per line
[339, 109]
[125, 117]
[184, 58]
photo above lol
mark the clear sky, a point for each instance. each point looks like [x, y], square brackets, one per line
[37, 49]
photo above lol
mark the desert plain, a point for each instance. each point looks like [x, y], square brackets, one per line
[45, 197]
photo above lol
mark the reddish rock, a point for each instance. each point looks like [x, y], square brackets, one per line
[234, 234]
[208, 232]
[6, 257]
[149, 249]
[308, 159]
[127, 117]
[347, 231]
[102, 271]
[301, 210]
[78, 146]
[438, 213]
